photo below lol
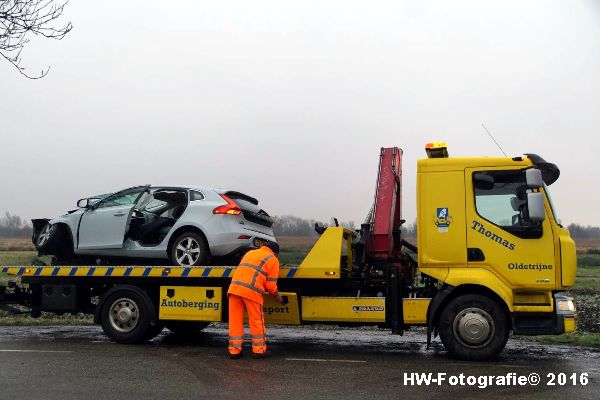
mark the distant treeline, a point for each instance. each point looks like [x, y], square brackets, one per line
[13, 226]
[584, 232]
[289, 225]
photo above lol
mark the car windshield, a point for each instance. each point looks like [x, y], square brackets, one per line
[95, 199]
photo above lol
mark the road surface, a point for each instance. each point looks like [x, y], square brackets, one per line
[76, 362]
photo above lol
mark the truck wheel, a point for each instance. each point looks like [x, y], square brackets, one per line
[186, 327]
[189, 249]
[126, 314]
[473, 327]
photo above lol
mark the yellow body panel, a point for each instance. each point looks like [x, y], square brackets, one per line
[286, 314]
[190, 303]
[568, 259]
[343, 309]
[442, 242]
[532, 298]
[570, 323]
[415, 311]
[324, 259]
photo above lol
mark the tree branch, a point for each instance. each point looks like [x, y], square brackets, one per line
[20, 19]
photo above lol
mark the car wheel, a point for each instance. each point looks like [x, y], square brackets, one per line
[126, 315]
[473, 327]
[189, 249]
[186, 327]
[47, 238]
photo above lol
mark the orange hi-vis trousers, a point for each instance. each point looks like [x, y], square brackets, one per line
[237, 305]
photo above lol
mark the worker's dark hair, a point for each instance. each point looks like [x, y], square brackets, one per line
[273, 246]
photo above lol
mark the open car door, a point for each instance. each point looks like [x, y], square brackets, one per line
[104, 225]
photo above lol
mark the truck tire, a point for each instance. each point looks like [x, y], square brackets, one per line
[473, 327]
[186, 327]
[189, 249]
[126, 315]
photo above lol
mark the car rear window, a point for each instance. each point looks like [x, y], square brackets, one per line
[243, 203]
[252, 212]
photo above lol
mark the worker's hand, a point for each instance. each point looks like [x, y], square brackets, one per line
[279, 299]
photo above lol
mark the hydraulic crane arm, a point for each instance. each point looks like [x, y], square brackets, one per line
[387, 210]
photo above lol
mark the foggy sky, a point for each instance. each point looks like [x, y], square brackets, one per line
[291, 101]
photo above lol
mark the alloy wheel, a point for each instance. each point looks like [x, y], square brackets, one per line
[187, 251]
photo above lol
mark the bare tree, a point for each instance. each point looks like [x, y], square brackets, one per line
[21, 18]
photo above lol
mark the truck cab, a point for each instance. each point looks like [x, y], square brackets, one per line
[487, 225]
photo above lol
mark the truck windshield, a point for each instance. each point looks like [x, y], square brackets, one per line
[547, 191]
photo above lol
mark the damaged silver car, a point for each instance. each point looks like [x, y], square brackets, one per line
[187, 226]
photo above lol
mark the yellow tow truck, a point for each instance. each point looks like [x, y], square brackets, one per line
[491, 258]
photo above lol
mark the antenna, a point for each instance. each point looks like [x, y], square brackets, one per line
[488, 132]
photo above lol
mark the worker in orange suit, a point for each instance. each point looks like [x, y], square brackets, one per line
[256, 275]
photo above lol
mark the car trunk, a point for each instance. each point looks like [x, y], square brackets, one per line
[256, 219]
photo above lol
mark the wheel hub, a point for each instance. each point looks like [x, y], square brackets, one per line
[474, 327]
[124, 315]
[45, 235]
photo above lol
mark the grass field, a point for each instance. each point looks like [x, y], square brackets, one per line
[294, 248]
[16, 245]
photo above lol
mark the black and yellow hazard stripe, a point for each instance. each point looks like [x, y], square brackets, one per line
[132, 271]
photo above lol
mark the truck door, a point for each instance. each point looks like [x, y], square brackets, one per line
[105, 225]
[500, 236]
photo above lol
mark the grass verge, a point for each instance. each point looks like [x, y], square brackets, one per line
[576, 338]
[12, 317]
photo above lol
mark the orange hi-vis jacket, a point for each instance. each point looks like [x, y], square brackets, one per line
[256, 275]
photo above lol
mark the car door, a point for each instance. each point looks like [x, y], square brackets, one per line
[104, 225]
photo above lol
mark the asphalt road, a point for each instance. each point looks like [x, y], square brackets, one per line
[307, 363]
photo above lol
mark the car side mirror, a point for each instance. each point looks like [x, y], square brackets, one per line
[534, 178]
[83, 203]
[535, 207]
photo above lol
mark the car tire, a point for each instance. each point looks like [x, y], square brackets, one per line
[186, 327]
[189, 250]
[473, 327]
[48, 238]
[126, 315]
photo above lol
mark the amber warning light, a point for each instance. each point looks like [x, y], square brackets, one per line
[437, 150]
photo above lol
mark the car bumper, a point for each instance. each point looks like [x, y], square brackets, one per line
[227, 243]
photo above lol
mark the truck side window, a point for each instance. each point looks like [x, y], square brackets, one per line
[501, 198]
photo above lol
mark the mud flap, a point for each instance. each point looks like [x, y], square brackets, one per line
[433, 311]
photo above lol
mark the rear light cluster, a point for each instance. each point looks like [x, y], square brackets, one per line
[230, 208]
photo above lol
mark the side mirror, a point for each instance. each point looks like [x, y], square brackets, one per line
[483, 181]
[534, 178]
[83, 203]
[535, 207]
